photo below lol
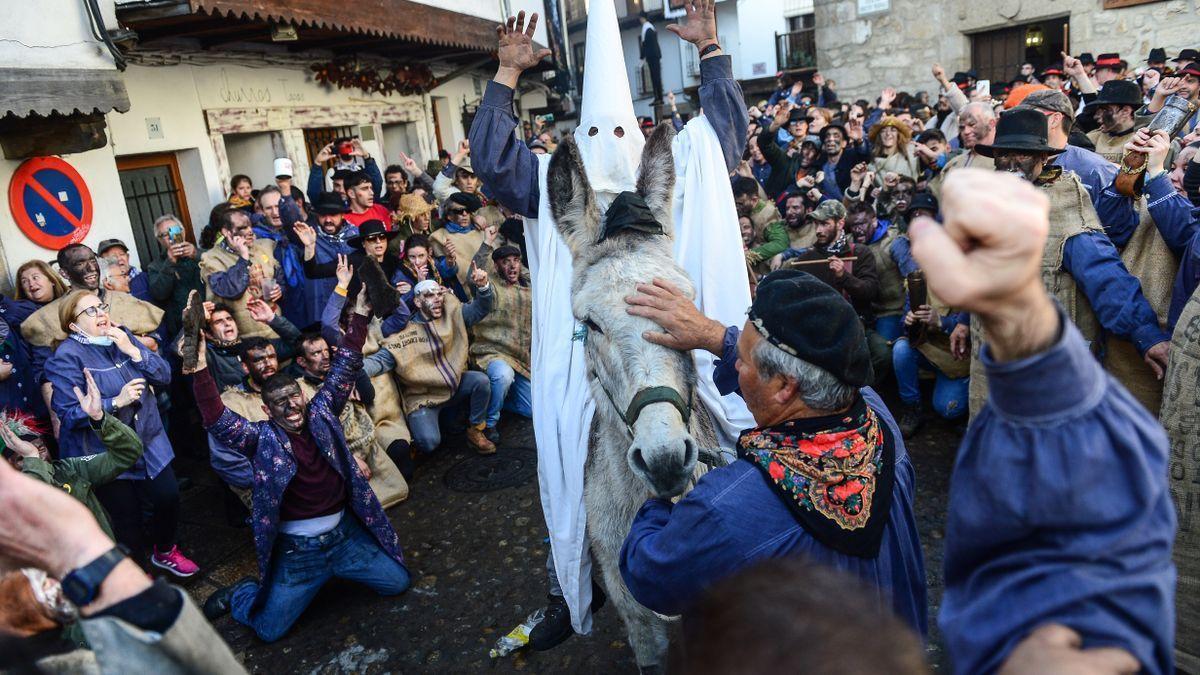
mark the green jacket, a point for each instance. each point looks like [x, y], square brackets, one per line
[770, 229]
[78, 476]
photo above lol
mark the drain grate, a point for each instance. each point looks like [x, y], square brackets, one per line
[509, 467]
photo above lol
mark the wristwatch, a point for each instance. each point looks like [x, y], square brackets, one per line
[82, 584]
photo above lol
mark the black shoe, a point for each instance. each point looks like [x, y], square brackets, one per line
[555, 628]
[401, 454]
[492, 434]
[217, 604]
[909, 419]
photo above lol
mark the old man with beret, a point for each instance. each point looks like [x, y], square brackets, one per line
[824, 474]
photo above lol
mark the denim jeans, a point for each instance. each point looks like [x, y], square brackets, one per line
[890, 327]
[425, 424]
[300, 566]
[949, 394]
[510, 392]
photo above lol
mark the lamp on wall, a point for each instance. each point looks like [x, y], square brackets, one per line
[1034, 36]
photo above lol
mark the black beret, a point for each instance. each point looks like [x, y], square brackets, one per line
[810, 320]
[467, 201]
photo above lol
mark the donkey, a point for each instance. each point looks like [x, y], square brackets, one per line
[649, 424]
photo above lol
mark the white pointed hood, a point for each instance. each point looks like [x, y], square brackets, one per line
[611, 162]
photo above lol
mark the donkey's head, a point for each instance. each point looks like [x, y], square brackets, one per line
[638, 386]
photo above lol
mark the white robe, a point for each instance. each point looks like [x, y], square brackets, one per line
[708, 245]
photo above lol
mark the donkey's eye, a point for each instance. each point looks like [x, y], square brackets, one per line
[591, 325]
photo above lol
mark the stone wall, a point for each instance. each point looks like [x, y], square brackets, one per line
[897, 47]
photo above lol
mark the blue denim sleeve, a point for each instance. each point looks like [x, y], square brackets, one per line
[371, 168]
[1114, 294]
[504, 163]
[1174, 216]
[724, 106]
[231, 283]
[331, 319]
[1185, 281]
[1059, 512]
[902, 254]
[724, 369]
[1117, 213]
[316, 181]
[397, 320]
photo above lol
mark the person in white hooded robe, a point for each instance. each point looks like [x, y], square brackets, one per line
[610, 143]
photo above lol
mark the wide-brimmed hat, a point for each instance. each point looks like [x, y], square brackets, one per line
[1111, 60]
[1192, 69]
[371, 228]
[1053, 69]
[1157, 55]
[1087, 59]
[798, 114]
[329, 203]
[1117, 92]
[903, 129]
[412, 206]
[1019, 130]
[1187, 55]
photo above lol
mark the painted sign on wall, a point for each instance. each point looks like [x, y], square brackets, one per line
[50, 202]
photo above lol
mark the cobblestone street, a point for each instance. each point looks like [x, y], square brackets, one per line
[478, 565]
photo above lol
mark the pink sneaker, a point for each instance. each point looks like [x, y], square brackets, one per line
[175, 562]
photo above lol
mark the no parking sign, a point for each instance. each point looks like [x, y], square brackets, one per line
[50, 202]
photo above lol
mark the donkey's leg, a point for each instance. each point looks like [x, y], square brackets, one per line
[647, 633]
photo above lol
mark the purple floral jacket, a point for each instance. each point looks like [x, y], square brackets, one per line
[269, 450]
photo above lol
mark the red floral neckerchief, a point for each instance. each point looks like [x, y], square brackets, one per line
[835, 474]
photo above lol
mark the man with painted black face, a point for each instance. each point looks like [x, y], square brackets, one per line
[317, 516]
[1081, 267]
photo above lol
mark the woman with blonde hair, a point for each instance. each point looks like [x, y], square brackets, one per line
[145, 499]
[892, 151]
[37, 286]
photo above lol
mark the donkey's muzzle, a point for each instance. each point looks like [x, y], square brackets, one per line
[666, 467]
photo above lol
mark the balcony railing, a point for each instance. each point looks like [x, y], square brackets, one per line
[796, 50]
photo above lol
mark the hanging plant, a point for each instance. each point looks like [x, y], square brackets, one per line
[405, 80]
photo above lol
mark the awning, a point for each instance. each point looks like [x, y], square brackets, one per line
[62, 91]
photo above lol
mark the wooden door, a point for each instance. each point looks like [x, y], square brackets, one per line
[152, 188]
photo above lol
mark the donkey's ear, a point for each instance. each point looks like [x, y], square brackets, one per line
[572, 202]
[656, 179]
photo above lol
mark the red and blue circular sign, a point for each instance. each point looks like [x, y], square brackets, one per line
[50, 202]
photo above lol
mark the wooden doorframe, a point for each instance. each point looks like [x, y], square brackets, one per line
[168, 160]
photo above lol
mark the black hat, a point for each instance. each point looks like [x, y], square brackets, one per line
[109, 243]
[922, 200]
[1087, 59]
[839, 127]
[1187, 55]
[798, 114]
[1192, 69]
[1157, 55]
[961, 79]
[505, 252]
[329, 203]
[370, 228]
[810, 320]
[468, 201]
[1111, 60]
[1021, 131]
[1118, 92]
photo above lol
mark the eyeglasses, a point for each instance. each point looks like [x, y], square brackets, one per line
[94, 310]
[375, 237]
[454, 213]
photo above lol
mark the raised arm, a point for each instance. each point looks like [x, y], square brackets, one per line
[347, 360]
[231, 429]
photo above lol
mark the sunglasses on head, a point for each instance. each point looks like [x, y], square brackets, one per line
[94, 310]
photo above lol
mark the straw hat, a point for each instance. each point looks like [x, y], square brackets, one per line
[896, 123]
[412, 206]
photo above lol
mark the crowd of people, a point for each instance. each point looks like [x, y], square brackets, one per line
[316, 346]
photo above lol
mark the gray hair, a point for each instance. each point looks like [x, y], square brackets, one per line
[165, 218]
[819, 388]
[978, 108]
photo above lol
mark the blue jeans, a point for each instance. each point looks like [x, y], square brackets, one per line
[425, 423]
[510, 392]
[890, 327]
[949, 394]
[300, 566]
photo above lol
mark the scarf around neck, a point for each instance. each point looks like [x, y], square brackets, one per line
[839, 245]
[835, 474]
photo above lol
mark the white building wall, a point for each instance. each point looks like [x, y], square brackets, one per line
[757, 23]
[52, 34]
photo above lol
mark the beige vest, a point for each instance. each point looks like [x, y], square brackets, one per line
[262, 265]
[763, 215]
[891, 284]
[42, 328]
[804, 236]
[901, 163]
[386, 480]
[1111, 147]
[1149, 259]
[962, 159]
[506, 333]
[1181, 417]
[1071, 214]
[428, 354]
[936, 346]
[466, 245]
[388, 409]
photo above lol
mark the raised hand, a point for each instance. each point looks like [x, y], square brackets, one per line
[1167, 86]
[260, 311]
[987, 258]
[208, 310]
[886, 97]
[939, 73]
[701, 26]
[410, 165]
[91, 402]
[238, 243]
[1156, 144]
[345, 271]
[489, 235]
[671, 98]
[463, 151]
[13, 442]
[479, 278]
[516, 43]
[305, 233]
[782, 112]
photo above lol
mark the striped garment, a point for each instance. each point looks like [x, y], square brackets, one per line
[431, 357]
